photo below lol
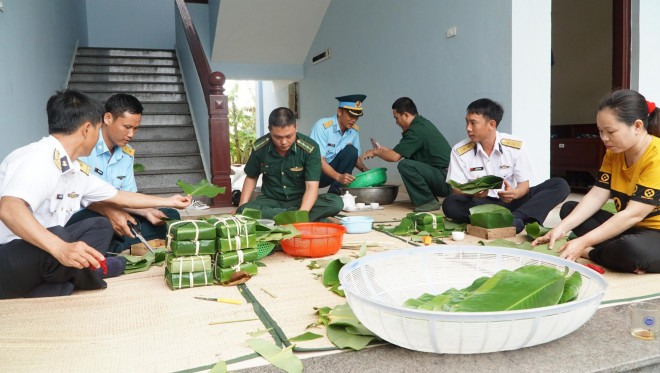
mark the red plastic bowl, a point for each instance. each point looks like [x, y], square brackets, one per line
[316, 240]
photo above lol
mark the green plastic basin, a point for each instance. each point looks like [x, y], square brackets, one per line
[371, 178]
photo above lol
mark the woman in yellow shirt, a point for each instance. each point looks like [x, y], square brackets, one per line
[630, 174]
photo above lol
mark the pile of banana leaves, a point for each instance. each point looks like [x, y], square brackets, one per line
[419, 225]
[527, 287]
[479, 184]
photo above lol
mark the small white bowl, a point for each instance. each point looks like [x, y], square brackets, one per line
[374, 205]
[360, 205]
[457, 236]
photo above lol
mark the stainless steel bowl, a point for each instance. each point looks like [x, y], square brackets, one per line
[383, 195]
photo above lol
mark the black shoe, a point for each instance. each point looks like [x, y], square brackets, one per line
[334, 190]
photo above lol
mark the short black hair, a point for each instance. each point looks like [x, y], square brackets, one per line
[629, 106]
[120, 103]
[67, 110]
[404, 105]
[488, 108]
[281, 117]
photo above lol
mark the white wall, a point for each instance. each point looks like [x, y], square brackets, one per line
[530, 80]
[36, 51]
[131, 24]
[401, 49]
[649, 50]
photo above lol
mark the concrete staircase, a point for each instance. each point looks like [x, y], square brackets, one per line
[166, 144]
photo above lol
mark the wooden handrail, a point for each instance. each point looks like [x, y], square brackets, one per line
[216, 102]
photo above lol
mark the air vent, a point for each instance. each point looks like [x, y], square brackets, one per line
[321, 56]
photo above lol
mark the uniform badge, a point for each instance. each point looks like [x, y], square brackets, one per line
[60, 196]
[98, 171]
[121, 177]
[327, 124]
[73, 195]
[64, 164]
[296, 169]
[476, 169]
[333, 145]
[505, 166]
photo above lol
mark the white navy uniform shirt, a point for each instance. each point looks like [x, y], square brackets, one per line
[42, 175]
[508, 160]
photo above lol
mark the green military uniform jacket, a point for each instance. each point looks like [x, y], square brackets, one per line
[423, 142]
[284, 177]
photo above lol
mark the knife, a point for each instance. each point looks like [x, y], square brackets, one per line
[139, 236]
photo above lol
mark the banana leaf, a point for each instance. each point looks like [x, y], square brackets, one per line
[535, 230]
[283, 359]
[526, 246]
[527, 287]
[251, 213]
[494, 219]
[571, 288]
[345, 330]
[307, 336]
[290, 217]
[478, 184]
[338, 335]
[609, 207]
[144, 262]
[203, 188]
[489, 207]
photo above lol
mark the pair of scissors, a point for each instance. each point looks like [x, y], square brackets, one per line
[221, 300]
[136, 230]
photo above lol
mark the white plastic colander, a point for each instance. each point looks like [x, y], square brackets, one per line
[377, 285]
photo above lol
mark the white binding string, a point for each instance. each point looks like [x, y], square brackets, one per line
[240, 257]
[170, 236]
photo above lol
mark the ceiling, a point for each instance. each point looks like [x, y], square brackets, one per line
[266, 31]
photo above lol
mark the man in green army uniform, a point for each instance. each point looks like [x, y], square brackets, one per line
[290, 163]
[426, 156]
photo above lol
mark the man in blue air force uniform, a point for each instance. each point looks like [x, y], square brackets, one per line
[339, 142]
[112, 160]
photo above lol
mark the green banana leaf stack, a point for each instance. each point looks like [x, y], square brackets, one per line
[478, 184]
[527, 287]
[190, 237]
[490, 216]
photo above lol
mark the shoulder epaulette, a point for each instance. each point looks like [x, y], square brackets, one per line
[466, 148]
[355, 127]
[260, 144]
[511, 143]
[328, 123]
[304, 145]
[56, 159]
[128, 150]
[84, 167]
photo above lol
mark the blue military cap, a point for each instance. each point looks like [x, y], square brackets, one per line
[352, 103]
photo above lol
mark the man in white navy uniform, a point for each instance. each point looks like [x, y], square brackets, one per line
[41, 186]
[488, 152]
[112, 160]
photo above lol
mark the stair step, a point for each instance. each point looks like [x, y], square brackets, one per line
[124, 69]
[166, 107]
[126, 87]
[143, 96]
[161, 192]
[114, 77]
[169, 161]
[165, 146]
[137, 61]
[165, 119]
[116, 52]
[155, 132]
[168, 178]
